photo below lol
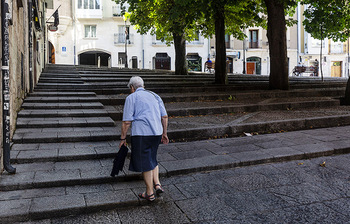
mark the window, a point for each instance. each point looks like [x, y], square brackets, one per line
[253, 39]
[90, 31]
[89, 4]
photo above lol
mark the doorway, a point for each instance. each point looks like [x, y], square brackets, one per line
[51, 53]
[91, 58]
[336, 69]
[254, 65]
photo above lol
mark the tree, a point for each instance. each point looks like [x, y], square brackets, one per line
[276, 11]
[321, 21]
[169, 20]
[329, 19]
[227, 17]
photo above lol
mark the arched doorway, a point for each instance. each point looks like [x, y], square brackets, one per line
[51, 53]
[91, 58]
[254, 65]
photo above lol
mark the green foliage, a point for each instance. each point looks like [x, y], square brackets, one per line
[163, 18]
[239, 15]
[327, 19]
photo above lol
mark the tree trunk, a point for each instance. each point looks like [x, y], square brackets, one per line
[180, 54]
[220, 58]
[276, 34]
[347, 94]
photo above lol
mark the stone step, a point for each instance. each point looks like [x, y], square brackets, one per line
[64, 122]
[174, 159]
[63, 151]
[62, 113]
[60, 99]
[62, 94]
[61, 80]
[182, 129]
[68, 134]
[46, 203]
[208, 108]
[53, 189]
[225, 96]
[91, 105]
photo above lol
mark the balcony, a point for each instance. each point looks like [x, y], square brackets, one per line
[118, 12]
[119, 38]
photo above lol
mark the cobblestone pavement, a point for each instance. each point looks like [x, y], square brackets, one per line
[304, 191]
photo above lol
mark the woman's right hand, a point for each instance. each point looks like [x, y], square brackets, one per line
[165, 139]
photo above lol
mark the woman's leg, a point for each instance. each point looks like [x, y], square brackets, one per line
[148, 178]
[155, 173]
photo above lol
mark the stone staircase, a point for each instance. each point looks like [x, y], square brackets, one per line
[68, 129]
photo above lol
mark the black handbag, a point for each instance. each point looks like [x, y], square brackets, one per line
[119, 160]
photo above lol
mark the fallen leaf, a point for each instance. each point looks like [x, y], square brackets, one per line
[323, 164]
[300, 163]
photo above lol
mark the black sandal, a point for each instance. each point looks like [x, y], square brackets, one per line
[158, 190]
[150, 197]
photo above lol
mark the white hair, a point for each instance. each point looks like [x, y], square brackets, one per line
[136, 82]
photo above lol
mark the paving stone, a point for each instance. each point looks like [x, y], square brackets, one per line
[166, 213]
[71, 153]
[31, 193]
[37, 155]
[274, 144]
[234, 149]
[23, 147]
[284, 153]
[252, 157]
[182, 166]
[18, 181]
[304, 193]
[207, 209]
[14, 210]
[165, 157]
[314, 150]
[48, 207]
[191, 154]
[83, 189]
[315, 213]
[54, 178]
[93, 218]
[34, 166]
[78, 165]
[110, 199]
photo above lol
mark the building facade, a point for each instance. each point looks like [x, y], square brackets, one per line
[95, 33]
[251, 56]
[24, 40]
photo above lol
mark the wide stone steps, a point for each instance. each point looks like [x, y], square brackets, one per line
[227, 96]
[61, 94]
[90, 105]
[61, 80]
[207, 108]
[64, 122]
[68, 134]
[62, 113]
[60, 99]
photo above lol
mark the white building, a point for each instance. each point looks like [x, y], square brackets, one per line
[93, 29]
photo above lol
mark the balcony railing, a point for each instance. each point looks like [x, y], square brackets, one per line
[117, 10]
[119, 38]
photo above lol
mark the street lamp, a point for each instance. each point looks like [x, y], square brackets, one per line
[244, 43]
[126, 42]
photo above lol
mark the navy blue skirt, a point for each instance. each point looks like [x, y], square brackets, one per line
[144, 153]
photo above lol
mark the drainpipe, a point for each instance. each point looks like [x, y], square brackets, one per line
[6, 86]
[30, 44]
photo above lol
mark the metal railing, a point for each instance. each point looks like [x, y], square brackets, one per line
[119, 38]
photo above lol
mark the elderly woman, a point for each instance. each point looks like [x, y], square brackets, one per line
[146, 112]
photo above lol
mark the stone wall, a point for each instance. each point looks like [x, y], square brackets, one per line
[19, 82]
